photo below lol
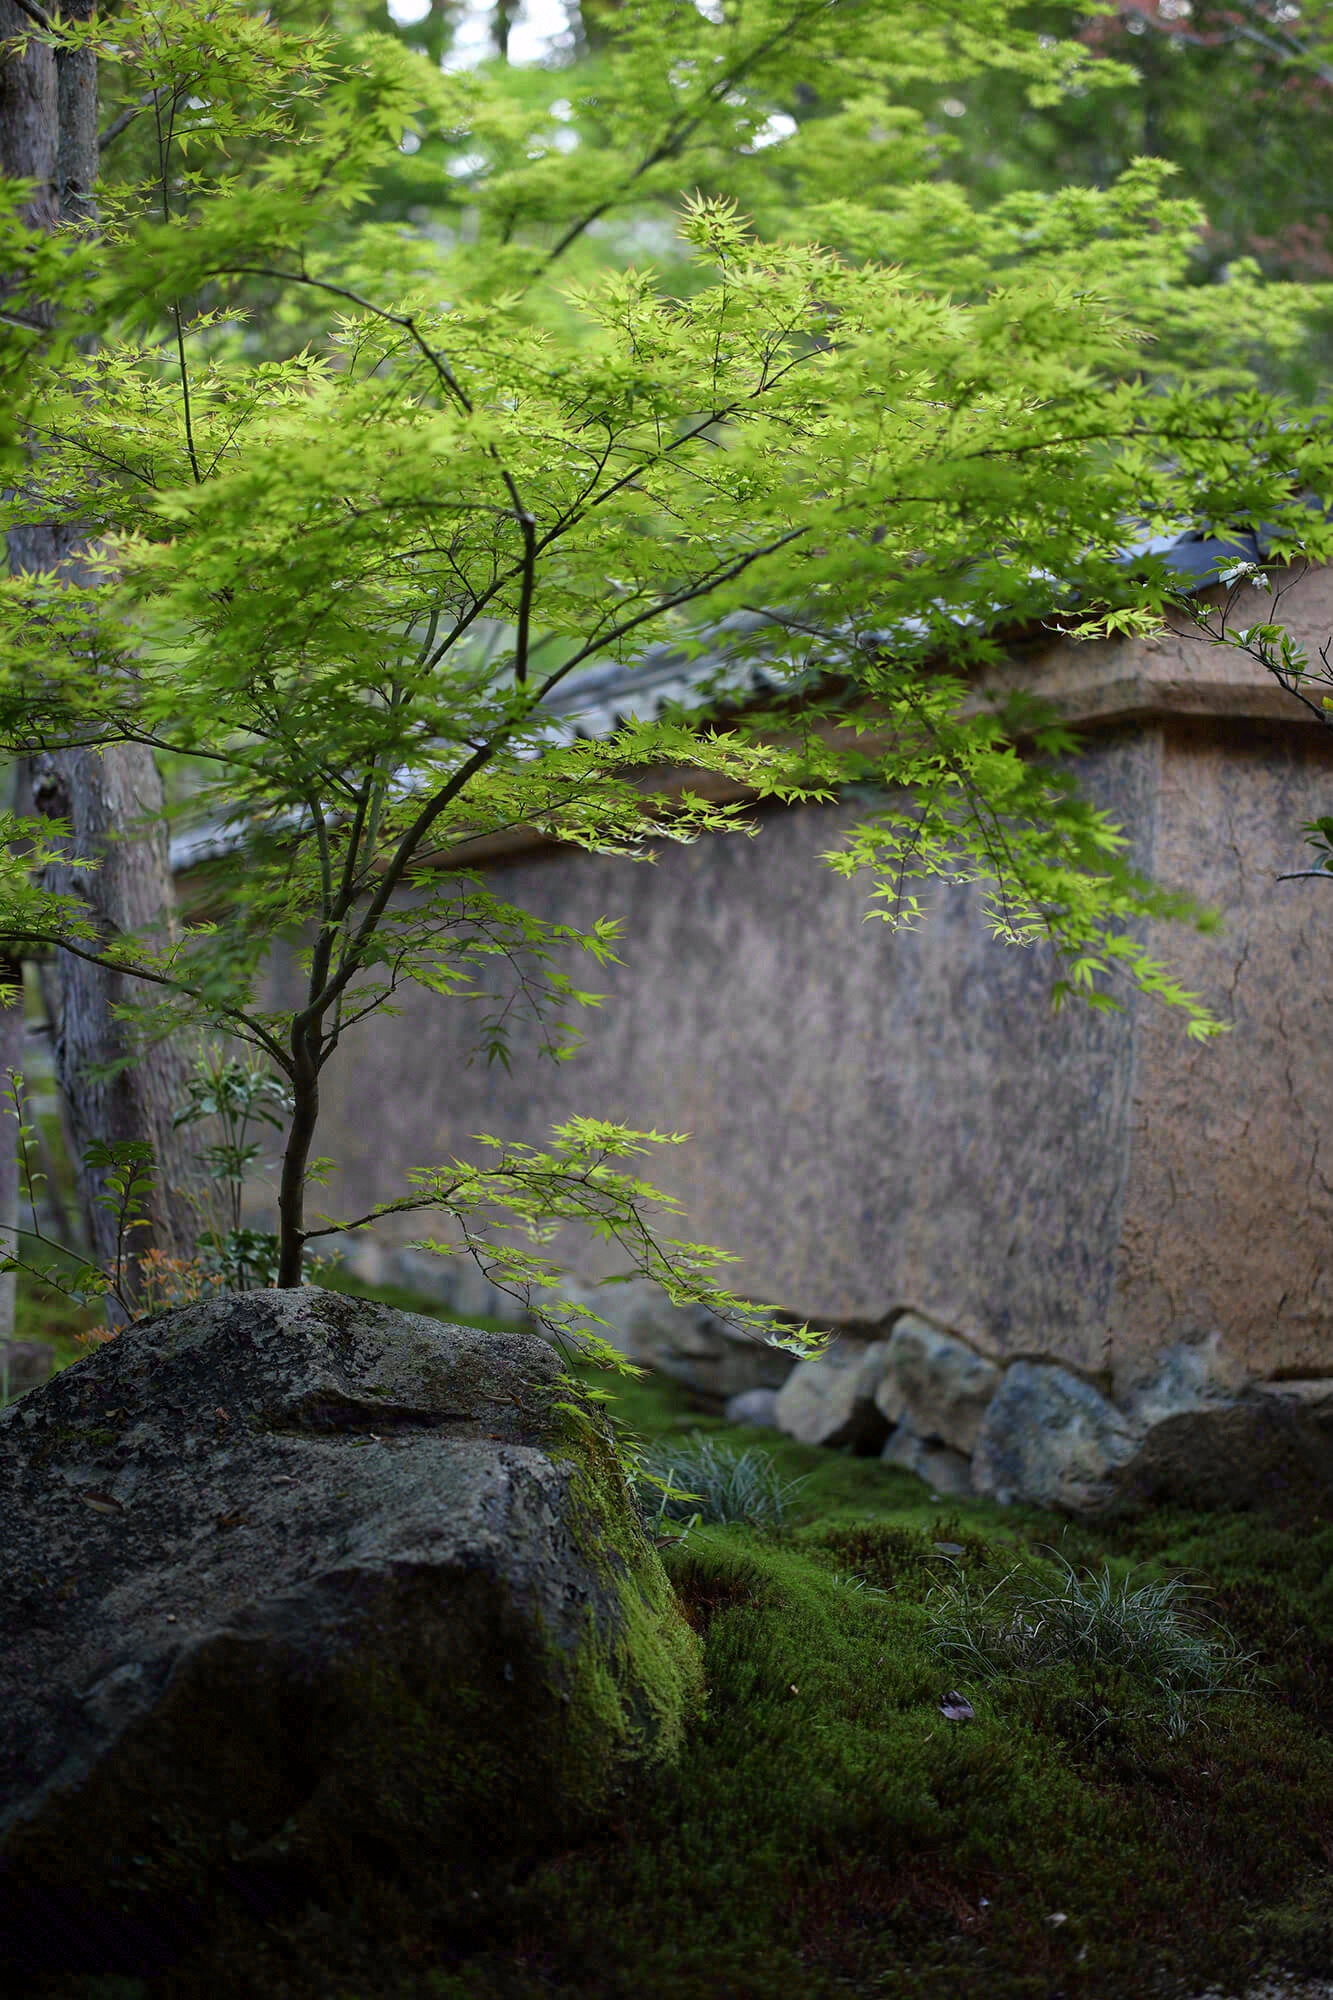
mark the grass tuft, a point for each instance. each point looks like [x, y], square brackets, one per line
[698, 1481]
[1149, 1633]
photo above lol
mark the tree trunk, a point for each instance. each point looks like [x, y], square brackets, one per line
[29, 119]
[11, 1058]
[106, 796]
[296, 1160]
[113, 798]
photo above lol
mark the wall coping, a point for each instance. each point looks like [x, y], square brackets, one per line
[1177, 674]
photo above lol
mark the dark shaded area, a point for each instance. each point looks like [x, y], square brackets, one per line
[828, 1832]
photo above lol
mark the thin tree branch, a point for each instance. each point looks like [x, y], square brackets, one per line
[405, 320]
[437, 361]
[529, 528]
[677, 135]
[390, 879]
[36, 13]
[124, 119]
[163, 154]
[321, 833]
[346, 888]
[655, 610]
[438, 1199]
[253, 1029]
[1286, 49]
[411, 840]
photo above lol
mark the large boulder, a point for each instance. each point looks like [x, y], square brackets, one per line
[830, 1399]
[936, 1383]
[299, 1588]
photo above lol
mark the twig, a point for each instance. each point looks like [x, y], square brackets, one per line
[35, 13]
[529, 530]
[125, 118]
[164, 158]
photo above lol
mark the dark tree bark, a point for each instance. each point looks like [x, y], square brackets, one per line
[113, 798]
[29, 119]
[11, 1058]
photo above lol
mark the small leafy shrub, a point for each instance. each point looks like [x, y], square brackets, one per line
[228, 1097]
[699, 1481]
[1146, 1634]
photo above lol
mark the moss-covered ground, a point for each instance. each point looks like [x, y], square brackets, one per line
[827, 1831]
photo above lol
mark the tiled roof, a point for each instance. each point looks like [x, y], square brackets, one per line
[598, 698]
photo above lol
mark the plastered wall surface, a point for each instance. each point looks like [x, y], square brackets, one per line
[880, 1120]
[875, 1120]
[1227, 1222]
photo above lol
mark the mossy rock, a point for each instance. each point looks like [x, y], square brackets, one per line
[305, 1591]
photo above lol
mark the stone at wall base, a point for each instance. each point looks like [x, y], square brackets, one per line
[1258, 1449]
[689, 1344]
[757, 1407]
[944, 1470]
[1191, 1375]
[1051, 1439]
[1184, 1436]
[1312, 1395]
[830, 1400]
[936, 1382]
[452, 1282]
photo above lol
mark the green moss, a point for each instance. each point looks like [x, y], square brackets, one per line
[55, 1441]
[1298, 1933]
[822, 1830]
[641, 1683]
[826, 1830]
